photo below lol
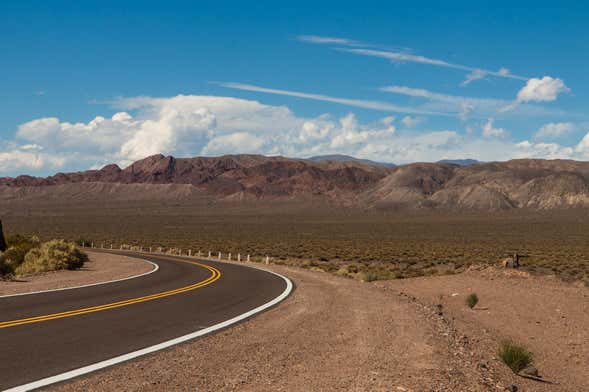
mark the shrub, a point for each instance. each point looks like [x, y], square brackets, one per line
[472, 300]
[515, 356]
[367, 276]
[51, 256]
[14, 256]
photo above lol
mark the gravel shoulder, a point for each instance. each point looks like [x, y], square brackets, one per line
[101, 267]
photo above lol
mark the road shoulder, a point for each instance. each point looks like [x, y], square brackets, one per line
[101, 268]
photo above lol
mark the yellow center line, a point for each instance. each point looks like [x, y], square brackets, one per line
[215, 274]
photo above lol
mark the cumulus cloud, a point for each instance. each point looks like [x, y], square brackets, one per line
[553, 130]
[29, 157]
[490, 131]
[542, 90]
[545, 89]
[209, 125]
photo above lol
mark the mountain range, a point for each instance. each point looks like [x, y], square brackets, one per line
[515, 184]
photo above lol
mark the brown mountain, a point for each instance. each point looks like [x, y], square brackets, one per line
[525, 183]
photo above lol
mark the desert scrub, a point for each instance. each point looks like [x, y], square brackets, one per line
[14, 256]
[516, 356]
[472, 300]
[52, 256]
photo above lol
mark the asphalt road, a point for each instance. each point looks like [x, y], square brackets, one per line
[50, 333]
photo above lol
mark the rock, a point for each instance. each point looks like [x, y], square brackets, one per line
[512, 388]
[530, 371]
[2, 241]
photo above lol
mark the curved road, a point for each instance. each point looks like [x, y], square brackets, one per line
[45, 334]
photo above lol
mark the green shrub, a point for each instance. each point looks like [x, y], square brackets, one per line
[472, 300]
[51, 256]
[515, 356]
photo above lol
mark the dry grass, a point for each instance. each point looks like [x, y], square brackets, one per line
[515, 356]
[382, 245]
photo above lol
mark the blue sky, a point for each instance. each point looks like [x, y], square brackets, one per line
[491, 81]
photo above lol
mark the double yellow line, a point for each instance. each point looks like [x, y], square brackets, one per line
[215, 274]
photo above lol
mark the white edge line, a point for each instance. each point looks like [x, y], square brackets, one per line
[155, 268]
[169, 343]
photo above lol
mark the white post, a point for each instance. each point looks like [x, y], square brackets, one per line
[209, 254]
[111, 246]
[248, 258]
[199, 253]
[219, 255]
[150, 249]
[267, 260]
[238, 257]
[189, 252]
[229, 257]
[92, 244]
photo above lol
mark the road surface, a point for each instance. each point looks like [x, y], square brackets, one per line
[42, 335]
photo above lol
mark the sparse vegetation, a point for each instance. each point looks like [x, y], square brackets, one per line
[472, 300]
[392, 245]
[26, 255]
[515, 356]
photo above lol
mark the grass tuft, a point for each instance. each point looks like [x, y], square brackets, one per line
[516, 356]
[472, 300]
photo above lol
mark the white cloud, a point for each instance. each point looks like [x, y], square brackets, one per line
[542, 90]
[243, 142]
[545, 89]
[316, 39]
[464, 107]
[490, 131]
[22, 159]
[410, 122]
[553, 130]
[401, 57]
[205, 125]
[475, 75]
[365, 104]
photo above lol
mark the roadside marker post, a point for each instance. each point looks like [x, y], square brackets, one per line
[219, 255]
[239, 257]
[248, 258]
[189, 252]
[111, 246]
[229, 257]
[199, 253]
[267, 260]
[209, 254]
[93, 245]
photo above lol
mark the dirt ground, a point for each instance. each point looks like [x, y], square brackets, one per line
[101, 267]
[331, 334]
[548, 316]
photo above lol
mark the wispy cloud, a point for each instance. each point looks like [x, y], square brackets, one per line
[400, 57]
[365, 104]
[316, 39]
[467, 106]
[404, 56]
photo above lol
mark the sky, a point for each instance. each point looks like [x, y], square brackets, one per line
[85, 84]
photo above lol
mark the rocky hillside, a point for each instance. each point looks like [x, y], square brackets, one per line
[526, 183]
